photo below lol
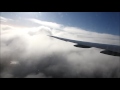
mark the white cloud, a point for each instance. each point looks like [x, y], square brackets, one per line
[6, 27]
[45, 23]
[84, 35]
[3, 19]
[79, 34]
[14, 62]
[40, 56]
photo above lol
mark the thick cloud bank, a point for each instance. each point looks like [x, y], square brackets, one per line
[30, 53]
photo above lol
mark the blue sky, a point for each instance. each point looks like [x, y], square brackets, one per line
[102, 22]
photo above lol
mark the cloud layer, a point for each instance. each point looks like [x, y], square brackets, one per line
[30, 53]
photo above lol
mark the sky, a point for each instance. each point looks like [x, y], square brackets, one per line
[28, 52]
[102, 22]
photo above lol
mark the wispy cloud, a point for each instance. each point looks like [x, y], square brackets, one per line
[45, 23]
[3, 19]
[79, 33]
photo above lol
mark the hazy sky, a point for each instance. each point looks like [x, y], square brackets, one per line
[102, 22]
[27, 52]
